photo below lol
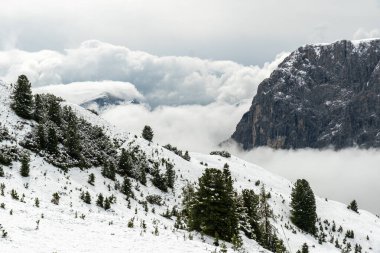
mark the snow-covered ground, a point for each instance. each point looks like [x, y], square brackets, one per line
[73, 226]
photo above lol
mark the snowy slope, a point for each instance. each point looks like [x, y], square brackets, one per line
[62, 230]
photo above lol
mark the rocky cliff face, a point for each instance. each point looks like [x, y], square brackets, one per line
[319, 96]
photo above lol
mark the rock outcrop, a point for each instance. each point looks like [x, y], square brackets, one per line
[325, 95]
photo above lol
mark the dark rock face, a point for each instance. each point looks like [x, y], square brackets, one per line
[319, 96]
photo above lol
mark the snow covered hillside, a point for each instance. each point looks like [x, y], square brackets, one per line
[136, 225]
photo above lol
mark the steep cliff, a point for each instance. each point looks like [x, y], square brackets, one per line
[325, 95]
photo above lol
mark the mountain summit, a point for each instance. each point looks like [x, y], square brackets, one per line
[324, 95]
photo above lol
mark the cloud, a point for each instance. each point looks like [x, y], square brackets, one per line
[338, 175]
[81, 92]
[362, 33]
[166, 80]
[192, 127]
[218, 29]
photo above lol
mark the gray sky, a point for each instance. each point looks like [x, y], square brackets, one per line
[245, 31]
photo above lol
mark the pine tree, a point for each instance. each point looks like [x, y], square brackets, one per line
[266, 214]
[170, 175]
[41, 136]
[159, 180]
[54, 111]
[249, 214]
[72, 142]
[107, 203]
[22, 98]
[305, 248]
[52, 141]
[109, 171]
[1, 171]
[125, 164]
[142, 178]
[353, 206]
[147, 133]
[87, 198]
[55, 199]
[126, 188]
[303, 212]
[38, 109]
[237, 242]
[91, 179]
[37, 202]
[25, 167]
[213, 209]
[100, 200]
[186, 156]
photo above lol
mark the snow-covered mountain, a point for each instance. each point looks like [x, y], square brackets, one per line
[74, 226]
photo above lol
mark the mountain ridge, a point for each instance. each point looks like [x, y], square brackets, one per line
[319, 96]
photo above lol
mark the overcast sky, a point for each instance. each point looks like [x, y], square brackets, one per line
[245, 31]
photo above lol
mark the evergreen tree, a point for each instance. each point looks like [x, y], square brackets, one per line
[147, 133]
[37, 202]
[52, 141]
[170, 175]
[1, 171]
[266, 214]
[186, 156]
[142, 178]
[87, 198]
[303, 212]
[55, 199]
[125, 164]
[91, 179]
[188, 194]
[159, 180]
[109, 171]
[213, 209]
[100, 200]
[126, 188]
[54, 111]
[25, 167]
[353, 206]
[41, 137]
[305, 248]
[249, 204]
[72, 142]
[107, 203]
[38, 109]
[22, 98]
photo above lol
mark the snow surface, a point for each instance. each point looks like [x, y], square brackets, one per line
[107, 231]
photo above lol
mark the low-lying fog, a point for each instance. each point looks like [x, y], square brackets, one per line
[343, 175]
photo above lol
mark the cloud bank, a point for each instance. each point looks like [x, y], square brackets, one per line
[338, 175]
[161, 80]
[81, 92]
[362, 33]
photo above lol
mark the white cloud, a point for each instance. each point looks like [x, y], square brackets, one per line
[338, 175]
[362, 33]
[82, 92]
[166, 80]
[193, 127]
